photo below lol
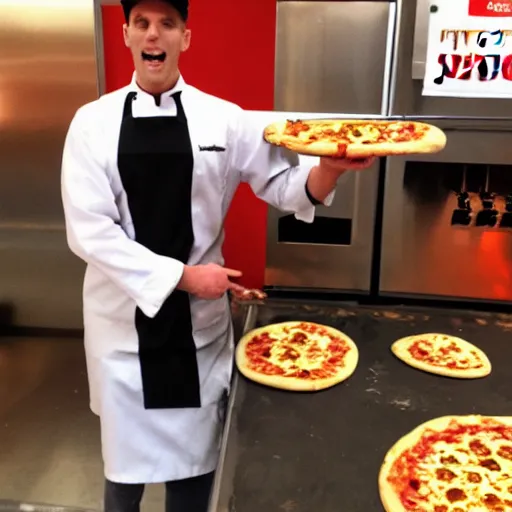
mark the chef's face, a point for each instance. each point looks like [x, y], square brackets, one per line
[156, 35]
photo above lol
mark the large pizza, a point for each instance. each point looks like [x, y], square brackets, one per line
[450, 464]
[299, 356]
[442, 354]
[355, 139]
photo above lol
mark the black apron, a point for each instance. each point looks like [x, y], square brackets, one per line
[155, 163]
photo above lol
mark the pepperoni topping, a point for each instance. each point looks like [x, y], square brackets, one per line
[505, 452]
[478, 448]
[415, 484]
[455, 495]
[491, 500]
[295, 127]
[300, 338]
[474, 478]
[490, 464]
[289, 354]
[449, 460]
[445, 475]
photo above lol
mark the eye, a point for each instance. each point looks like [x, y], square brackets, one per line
[169, 23]
[141, 23]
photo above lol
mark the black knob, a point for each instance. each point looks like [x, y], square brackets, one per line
[508, 203]
[506, 220]
[487, 200]
[461, 217]
[463, 201]
[487, 217]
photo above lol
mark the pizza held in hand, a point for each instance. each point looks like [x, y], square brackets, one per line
[298, 356]
[442, 354]
[355, 139]
[450, 464]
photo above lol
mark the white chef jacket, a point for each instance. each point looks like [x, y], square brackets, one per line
[139, 445]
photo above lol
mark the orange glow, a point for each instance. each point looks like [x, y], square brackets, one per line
[492, 252]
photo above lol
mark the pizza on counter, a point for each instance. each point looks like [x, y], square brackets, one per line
[355, 139]
[450, 464]
[297, 356]
[442, 354]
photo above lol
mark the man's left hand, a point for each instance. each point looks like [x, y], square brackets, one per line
[340, 165]
[323, 177]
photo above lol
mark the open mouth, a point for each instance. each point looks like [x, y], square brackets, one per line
[153, 57]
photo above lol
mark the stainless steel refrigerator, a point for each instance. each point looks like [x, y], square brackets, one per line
[446, 223]
[48, 68]
[332, 58]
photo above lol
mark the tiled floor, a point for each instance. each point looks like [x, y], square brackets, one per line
[49, 438]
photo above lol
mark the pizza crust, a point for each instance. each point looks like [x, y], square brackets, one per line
[433, 140]
[292, 383]
[400, 350]
[390, 500]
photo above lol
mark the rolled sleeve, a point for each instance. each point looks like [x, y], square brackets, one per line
[276, 175]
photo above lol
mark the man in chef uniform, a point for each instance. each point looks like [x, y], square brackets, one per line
[148, 175]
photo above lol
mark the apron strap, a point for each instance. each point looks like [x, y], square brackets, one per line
[179, 107]
[127, 110]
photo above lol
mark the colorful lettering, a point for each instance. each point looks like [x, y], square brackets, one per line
[460, 67]
[506, 68]
[489, 8]
[483, 38]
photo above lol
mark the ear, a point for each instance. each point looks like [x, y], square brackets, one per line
[185, 42]
[125, 35]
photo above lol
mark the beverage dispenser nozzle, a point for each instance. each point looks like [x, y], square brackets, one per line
[488, 216]
[508, 203]
[463, 201]
[462, 214]
[506, 218]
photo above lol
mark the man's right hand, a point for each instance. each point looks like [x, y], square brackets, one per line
[209, 281]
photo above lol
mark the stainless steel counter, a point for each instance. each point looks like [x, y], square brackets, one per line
[301, 452]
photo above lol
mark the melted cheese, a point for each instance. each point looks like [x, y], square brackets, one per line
[367, 134]
[457, 491]
[444, 350]
[358, 133]
[305, 360]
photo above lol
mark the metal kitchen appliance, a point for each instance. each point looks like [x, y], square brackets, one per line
[48, 68]
[446, 222]
[331, 58]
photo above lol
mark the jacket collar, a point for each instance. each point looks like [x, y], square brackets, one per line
[180, 85]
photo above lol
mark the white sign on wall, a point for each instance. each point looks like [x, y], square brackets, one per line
[469, 51]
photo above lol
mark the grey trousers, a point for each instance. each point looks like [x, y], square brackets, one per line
[190, 495]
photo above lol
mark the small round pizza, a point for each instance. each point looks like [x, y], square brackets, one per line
[450, 464]
[297, 356]
[442, 354]
[355, 138]
[249, 294]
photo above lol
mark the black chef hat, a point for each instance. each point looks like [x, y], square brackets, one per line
[180, 5]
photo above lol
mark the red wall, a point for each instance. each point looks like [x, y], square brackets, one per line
[236, 63]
